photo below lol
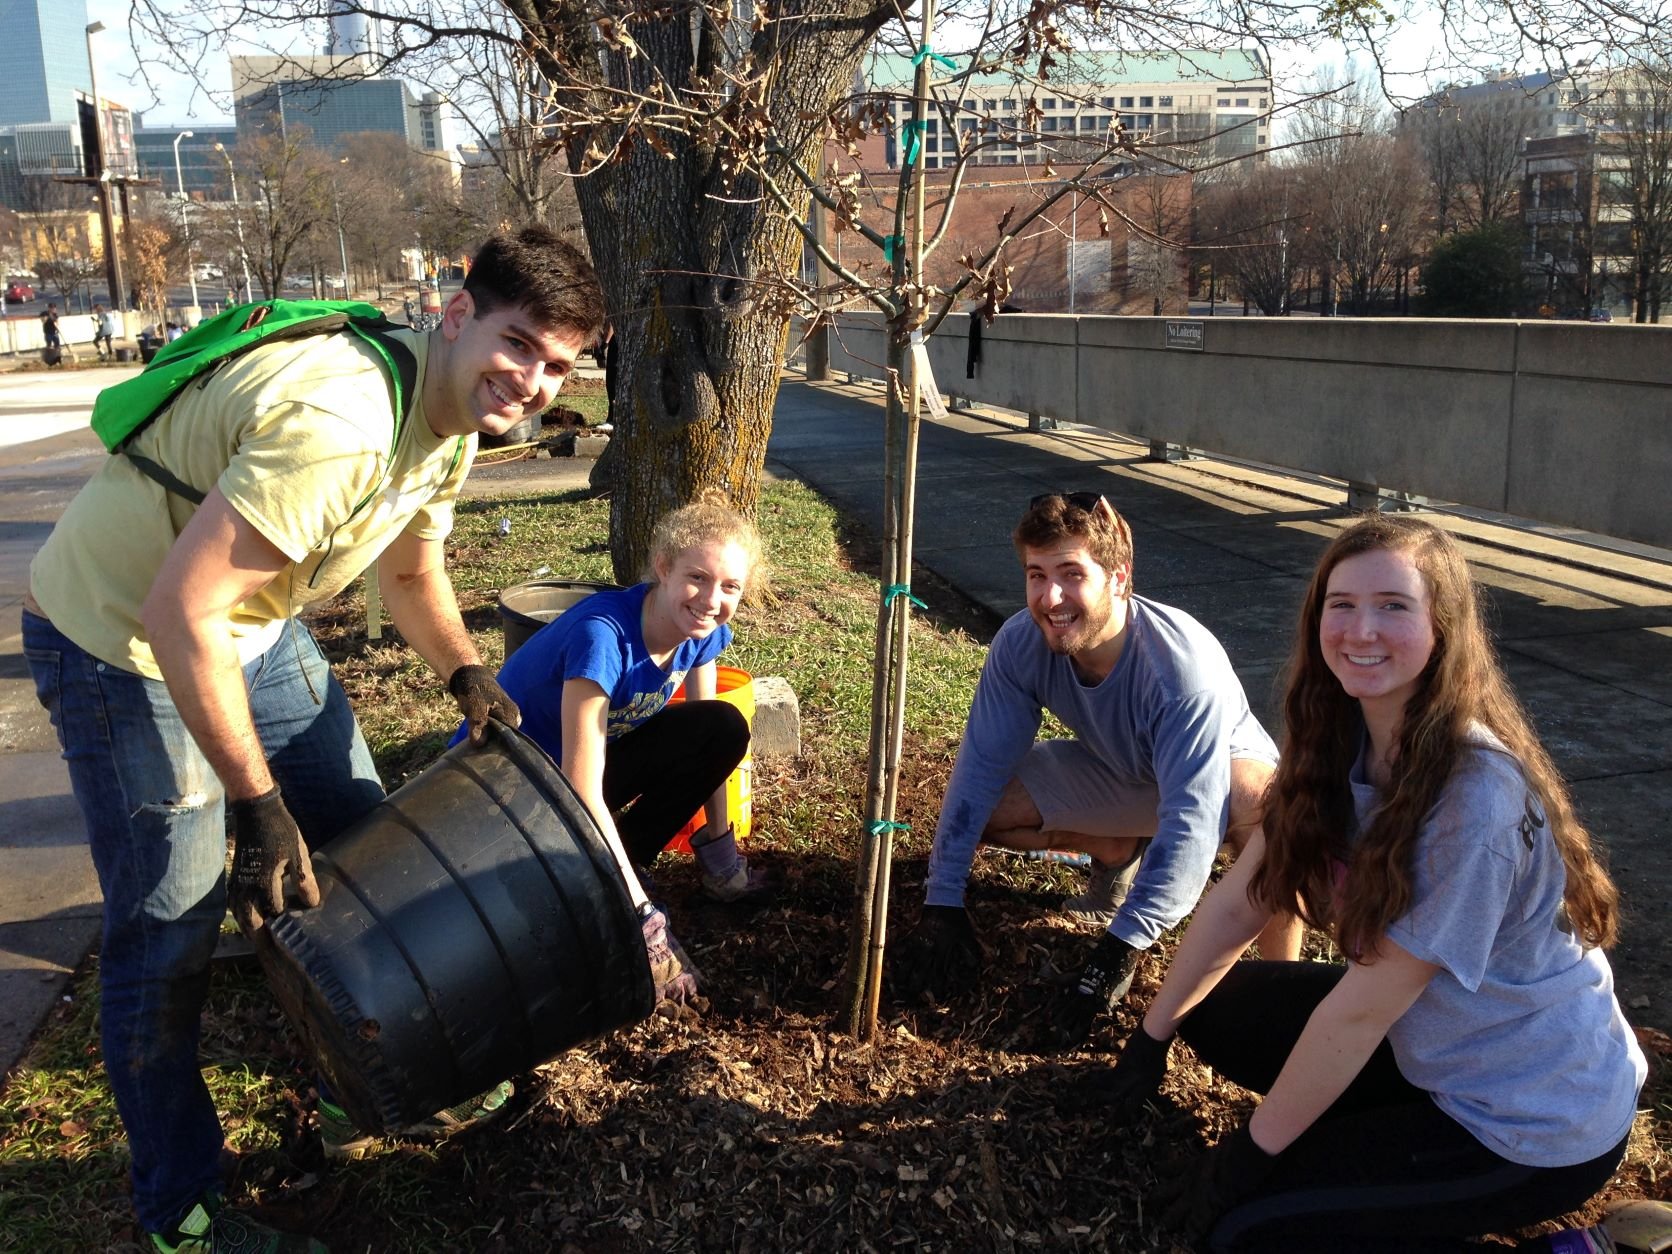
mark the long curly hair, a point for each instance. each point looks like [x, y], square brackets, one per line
[1309, 805]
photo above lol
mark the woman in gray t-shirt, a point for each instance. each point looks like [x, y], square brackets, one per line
[1468, 1069]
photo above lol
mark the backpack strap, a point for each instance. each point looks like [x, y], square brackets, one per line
[403, 377]
[398, 361]
[167, 478]
[400, 369]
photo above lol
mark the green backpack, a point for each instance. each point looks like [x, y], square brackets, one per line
[119, 412]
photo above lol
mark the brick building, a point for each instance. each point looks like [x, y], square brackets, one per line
[1062, 262]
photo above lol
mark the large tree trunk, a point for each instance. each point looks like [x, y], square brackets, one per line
[689, 253]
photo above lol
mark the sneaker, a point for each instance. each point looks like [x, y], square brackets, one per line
[1105, 891]
[1643, 1226]
[211, 1227]
[741, 886]
[343, 1142]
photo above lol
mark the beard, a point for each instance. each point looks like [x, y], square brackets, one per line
[1087, 629]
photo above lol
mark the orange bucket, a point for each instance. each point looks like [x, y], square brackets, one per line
[737, 687]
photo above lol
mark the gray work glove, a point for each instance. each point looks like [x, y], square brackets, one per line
[671, 970]
[480, 698]
[266, 846]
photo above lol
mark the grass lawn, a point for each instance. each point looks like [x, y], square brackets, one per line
[755, 1126]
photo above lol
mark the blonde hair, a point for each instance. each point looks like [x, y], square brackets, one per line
[709, 519]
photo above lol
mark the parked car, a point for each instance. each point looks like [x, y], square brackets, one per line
[18, 290]
[1601, 315]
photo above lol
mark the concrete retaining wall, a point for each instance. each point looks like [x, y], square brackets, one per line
[1560, 422]
[23, 333]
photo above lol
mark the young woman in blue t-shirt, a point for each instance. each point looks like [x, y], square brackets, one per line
[1467, 1070]
[594, 685]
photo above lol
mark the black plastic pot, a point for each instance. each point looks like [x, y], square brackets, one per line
[526, 607]
[469, 928]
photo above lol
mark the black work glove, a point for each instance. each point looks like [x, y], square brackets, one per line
[266, 846]
[1228, 1175]
[1138, 1072]
[480, 698]
[941, 955]
[1103, 981]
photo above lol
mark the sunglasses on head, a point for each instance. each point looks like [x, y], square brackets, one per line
[1088, 501]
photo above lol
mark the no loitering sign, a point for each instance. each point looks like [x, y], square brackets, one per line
[1185, 335]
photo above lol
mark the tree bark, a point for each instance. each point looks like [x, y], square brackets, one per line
[689, 247]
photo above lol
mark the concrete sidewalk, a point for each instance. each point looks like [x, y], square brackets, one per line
[49, 897]
[1586, 633]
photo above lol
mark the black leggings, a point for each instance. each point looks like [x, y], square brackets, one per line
[1383, 1169]
[668, 766]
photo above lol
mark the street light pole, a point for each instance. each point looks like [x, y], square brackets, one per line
[107, 219]
[1335, 282]
[185, 222]
[1073, 248]
[237, 220]
[342, 244]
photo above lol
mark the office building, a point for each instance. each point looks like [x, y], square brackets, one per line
[352, 32]
[331, 96]
[201, 167]
[1572, 142]
[1201, 105]
[43, 151]
[46, 60]
[329, 109]
[1529, 106]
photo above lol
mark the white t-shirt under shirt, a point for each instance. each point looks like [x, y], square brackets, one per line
[1518, 1036]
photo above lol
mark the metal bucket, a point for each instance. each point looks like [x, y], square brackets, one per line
[527, 607]
[469, 928]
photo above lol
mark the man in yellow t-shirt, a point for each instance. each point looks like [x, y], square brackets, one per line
[188, 698]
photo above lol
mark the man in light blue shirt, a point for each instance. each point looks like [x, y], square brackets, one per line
[1168, 761]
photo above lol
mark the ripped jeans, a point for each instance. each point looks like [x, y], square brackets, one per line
[156, 824]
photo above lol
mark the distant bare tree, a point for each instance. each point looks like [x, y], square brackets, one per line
[376, 198]
[1248, 222]
[444, 228]
[154, 250]
[289, 185]
[11, 241]
[1472, 150]
[1364, 191]
[55, 221]
[505, 101]
[1636, 116]
[1158, 225]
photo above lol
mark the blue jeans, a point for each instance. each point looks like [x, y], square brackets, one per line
[156, 824]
